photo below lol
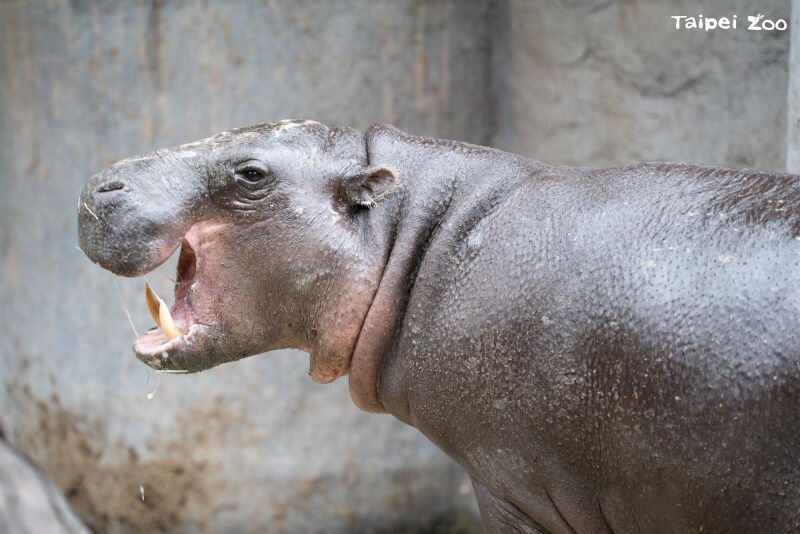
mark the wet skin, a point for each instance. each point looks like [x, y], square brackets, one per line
[602, 350]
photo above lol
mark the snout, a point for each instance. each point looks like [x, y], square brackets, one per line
[109, 230]
[132, 216]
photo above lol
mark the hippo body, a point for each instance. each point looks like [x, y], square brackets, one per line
[602, 350]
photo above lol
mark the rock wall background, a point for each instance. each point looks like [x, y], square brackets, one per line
[256, 446]
[604, 82]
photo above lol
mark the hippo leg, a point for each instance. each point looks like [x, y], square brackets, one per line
[501, 516]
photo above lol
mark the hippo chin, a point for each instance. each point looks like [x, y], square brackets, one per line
[602, 350]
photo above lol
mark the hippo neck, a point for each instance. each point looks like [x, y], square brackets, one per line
[437, 179]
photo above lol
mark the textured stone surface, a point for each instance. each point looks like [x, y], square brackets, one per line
[609, 82]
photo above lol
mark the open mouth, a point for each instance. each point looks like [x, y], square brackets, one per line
[176, 328]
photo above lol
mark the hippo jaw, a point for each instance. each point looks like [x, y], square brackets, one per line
[206, 336]
[200, 343]
[189, 350]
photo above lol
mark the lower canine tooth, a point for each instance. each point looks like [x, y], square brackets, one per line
[160, 313]
[167, 324]
[152, 303]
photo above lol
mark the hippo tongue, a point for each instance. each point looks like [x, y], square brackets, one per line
[160, 313]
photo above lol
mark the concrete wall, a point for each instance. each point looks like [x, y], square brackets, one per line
[599, 82]
[256, 446]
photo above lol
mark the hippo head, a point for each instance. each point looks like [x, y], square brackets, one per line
[273, 224]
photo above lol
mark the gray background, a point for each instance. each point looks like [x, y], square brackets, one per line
[256, 446]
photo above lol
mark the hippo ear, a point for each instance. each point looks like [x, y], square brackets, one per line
[368, 187]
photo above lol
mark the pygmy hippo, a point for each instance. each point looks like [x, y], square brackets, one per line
[602, 350]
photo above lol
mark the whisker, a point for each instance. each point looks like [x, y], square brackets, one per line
[90, 211]
[124, 307]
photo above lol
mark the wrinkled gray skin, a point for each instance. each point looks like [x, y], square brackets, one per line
[603, 350]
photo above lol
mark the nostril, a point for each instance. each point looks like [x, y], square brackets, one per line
[113, 185]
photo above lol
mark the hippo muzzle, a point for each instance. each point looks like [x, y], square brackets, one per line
[129, 223]
[132, 217]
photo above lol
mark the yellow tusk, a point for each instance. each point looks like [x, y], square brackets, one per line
[152, 303]
[160, 312]
[167, 324]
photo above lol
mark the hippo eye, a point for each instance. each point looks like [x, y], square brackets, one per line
[252, 175]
